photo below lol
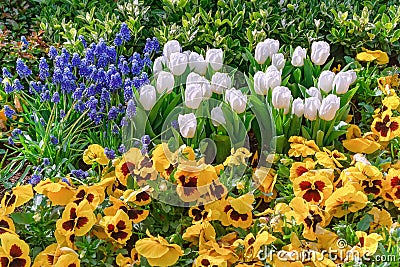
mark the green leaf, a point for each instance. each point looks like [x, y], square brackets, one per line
[308, 73]
[23, 218]
[365, 222]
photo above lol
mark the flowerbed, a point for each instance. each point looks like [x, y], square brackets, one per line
[118, 156]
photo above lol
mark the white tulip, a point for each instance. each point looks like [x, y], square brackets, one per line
[281, 97]
[278, 60]
[197, 63]
[260, 83]
[217, 116]
[236, 100]
[187, 125]
[329, 106]
[178, 63]
[314, 91]
[220, 82]
[147, 96]
[273, 77]
[165, 82]
[158, 64]
[325, 81]
[193, 95]
[266, 49]
[205, 88]
[299, 54]
[193, 77]
[171, 47]
[298, 107]
[216, 58]
[343, 80]
[311, 106]
[320, 52]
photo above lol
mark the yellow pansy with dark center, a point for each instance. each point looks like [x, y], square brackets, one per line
[17, 197]
[387, 127]
[13, 251]
[76, 219]
[118, 227]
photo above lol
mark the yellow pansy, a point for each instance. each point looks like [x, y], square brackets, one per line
[369, 55]
[95, 153]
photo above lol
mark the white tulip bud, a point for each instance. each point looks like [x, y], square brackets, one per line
[193, 95]
[299, 54]
[165, 82]
[278, 60]
[220, 82]
[216, 58]
[298, 107]
[325, 81]
[217, 116]
[314, 91]
[311, 106]
[329, 106]
[187, 125]
[273, 77]
[178, 63]
[281, 97]
[158, 64]
[236, 100]
[266, 49]
[260, 83]
[320, 52]
[171, 47]
[343, 80]
[147, 96]
[197, 63]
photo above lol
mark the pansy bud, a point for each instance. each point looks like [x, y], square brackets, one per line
[187, 125]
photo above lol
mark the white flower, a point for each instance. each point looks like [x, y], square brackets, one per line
[158, 64]
[266, 49]
[178, 63]
[220, 82]
[281, 97]
[311, 106]
[217, 116]
[319, 52]
[216, 58]
[273, 77]
[193, 95]
[197, 63]
[278, 60]
[325, 81]
[165, 82]
[329, 106]
[314, 91]
[171, 47]
[343, 80]
[187, 125]
[260, 83]
[193, 77]
[236, 100]
[299, 54]
[298, 107]
[147, 96]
